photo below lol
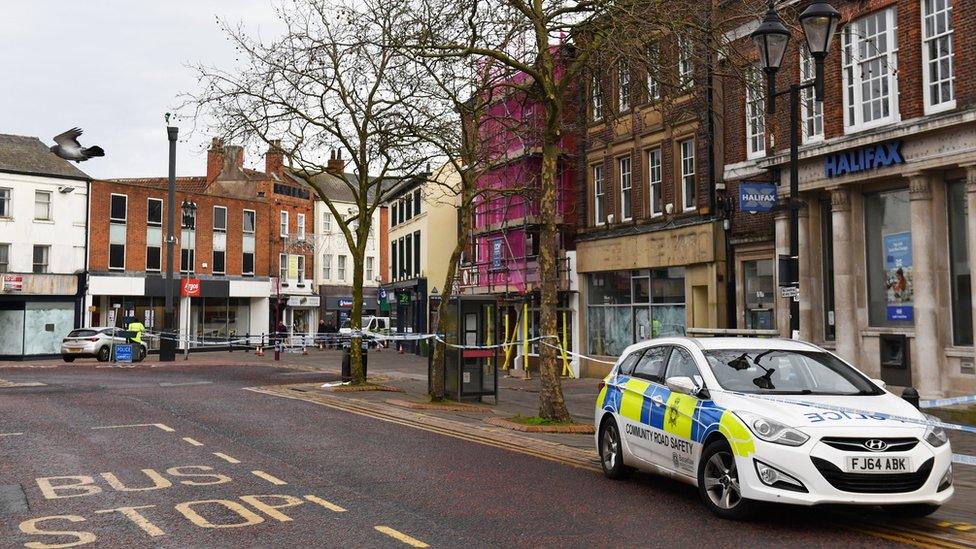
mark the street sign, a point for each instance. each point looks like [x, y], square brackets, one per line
[123, 353]
[789, 291]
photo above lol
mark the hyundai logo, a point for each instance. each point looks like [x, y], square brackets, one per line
[876, 445]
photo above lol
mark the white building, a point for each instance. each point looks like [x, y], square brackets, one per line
[334, 260]
[43, 225]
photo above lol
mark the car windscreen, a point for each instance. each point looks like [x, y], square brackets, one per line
[765, 371]
[82, 333]
[346, 324]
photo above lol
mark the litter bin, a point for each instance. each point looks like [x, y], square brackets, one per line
[347, 360]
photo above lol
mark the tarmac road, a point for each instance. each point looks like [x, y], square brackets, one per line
[182, 456]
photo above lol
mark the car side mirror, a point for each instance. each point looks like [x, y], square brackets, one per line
[880, 383]
[683, 385]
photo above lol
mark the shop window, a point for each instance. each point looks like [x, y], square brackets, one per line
[887, 219]
[628, 306]
[827, 266]
[960, 280]
[760, 294]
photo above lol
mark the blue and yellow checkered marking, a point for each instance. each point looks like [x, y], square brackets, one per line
[681, 415]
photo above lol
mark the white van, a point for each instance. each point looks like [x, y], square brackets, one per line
[370, 324]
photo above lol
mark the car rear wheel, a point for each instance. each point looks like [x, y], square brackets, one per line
[718, 483]
[611, 453]
[67, 358]
[103, 354]
[913, 510]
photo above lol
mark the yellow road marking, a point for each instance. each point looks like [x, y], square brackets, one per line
[10, 434]
[161, 426]
[135, 516]
[908, 537]
[226, 458]
[270, 478]
[412, 542]
[327, 504]
[193, 442]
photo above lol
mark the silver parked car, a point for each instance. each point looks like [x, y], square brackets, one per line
[97, 342]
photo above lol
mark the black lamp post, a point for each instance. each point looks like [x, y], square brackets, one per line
[819, 23]
[189, 225]
[167, 345]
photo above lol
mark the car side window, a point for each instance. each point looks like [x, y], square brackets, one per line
[681, 364]
[651, 365]
[627, 366]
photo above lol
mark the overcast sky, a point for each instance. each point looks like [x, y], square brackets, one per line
[113, 68]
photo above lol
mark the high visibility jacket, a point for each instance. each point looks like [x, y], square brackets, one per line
[136, 328]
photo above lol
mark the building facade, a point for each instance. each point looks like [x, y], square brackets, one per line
[43, 223]
[887, 178]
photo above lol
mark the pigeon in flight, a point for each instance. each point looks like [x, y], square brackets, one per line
[68, 147]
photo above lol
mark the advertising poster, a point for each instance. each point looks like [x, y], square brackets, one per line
[898, 276]
[496, 253]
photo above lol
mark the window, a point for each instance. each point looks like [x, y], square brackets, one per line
[870, 65]
[393, 261]
[247, 267]
[959, 276]
[623, 87]
[654, 181]
[759, 300]
[402, 215]
[327, 266]
[688, 187]
[393, 216]
[326, 222]
[220, 219]
[937, 70]
[682, 365]
[416, 253]
[41, 257]
[888, 238]
[301, 268]
[154, 212]
[5, 206]
[406, 204]
[153, 258]
[119, 207]
[300, 221]
[187, 260]
[599, 197]
[283, 267]
[219, 262]
[369, 269]
[596, 99]
[42, 205]
[755, 114]
[651, 365]
[827, 267]
[4, 258]
[811, 110]
[627, 365]
[416, 202]
[653, 84]
[408, 258]
[341, 268]
[401, 268]
[685, 65]
[283, 223]
[626, 185]
[624, 307]
[250, 220]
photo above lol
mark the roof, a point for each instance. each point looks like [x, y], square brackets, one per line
[30, 156]
[194, 184]
[335, 188]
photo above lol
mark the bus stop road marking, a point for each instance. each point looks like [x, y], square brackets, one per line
[226, 458]
[327, 504]
[160, 426]
[400, 536]
[185, 383]
[270, 478]
[10, 434]
[193, 441]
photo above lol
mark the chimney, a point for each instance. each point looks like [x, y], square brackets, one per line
[233, 163]
[274, 159]
[215, 159]
[336, 164]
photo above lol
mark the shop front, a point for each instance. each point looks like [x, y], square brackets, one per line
[408, 309]
[653, 284]
[336, 305]
[36, 312]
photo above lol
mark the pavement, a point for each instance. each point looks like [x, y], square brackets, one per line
[228, 449]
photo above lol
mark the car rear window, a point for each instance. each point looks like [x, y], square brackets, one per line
[82, 333]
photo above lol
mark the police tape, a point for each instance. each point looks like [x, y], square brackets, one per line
[578, 355]
[940, 402]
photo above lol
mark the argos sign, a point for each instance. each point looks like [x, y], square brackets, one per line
[191, 287]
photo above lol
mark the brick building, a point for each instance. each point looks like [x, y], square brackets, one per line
[234, 251]
[887, 177]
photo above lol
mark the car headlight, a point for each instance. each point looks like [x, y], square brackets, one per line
[935, 435]
[771, 430]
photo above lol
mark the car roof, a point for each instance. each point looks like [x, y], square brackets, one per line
[722, 343]
[96, 328]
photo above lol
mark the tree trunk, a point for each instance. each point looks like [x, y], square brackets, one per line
[356, 321]
[552, 405]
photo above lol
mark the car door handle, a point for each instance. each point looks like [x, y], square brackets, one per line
[658, 401]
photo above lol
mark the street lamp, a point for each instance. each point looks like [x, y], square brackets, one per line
[189, 210]
[167, 344]
[819, 23]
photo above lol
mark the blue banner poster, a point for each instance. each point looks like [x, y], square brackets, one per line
[496, 253]
[899, 288]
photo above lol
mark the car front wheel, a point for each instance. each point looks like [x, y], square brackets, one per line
[103, 354]
[718, 483]
[611, 453]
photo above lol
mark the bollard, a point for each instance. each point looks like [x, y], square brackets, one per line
[911, 395]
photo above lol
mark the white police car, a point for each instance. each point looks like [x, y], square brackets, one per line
[748, 420]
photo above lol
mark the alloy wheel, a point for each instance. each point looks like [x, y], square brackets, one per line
[722, 481]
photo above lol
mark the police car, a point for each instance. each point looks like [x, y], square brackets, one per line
[750, 420]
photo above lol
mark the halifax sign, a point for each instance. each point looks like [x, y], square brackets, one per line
[868, 157]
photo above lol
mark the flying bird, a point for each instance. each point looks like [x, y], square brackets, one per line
[69, 148]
